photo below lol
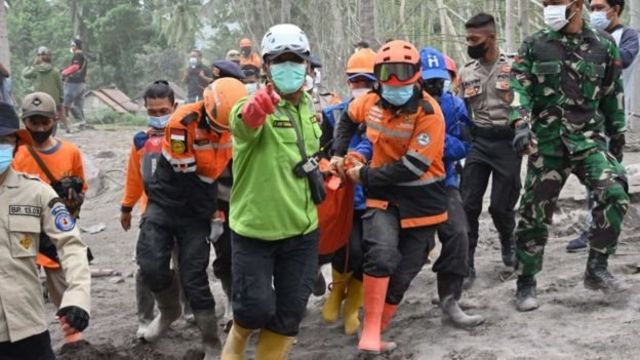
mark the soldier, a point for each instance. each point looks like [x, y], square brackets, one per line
[484, 85]
[29, 207]
[567, 78]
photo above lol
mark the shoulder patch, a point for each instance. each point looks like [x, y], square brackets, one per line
[191, 117]
[62, 219]
[426, 106]
[140, 139]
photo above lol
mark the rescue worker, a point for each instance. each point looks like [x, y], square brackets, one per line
[247, 55]
[29, 208]
[233, 55]
[274, 223]
[322, 97]
[484, 85]
[452, 85]
[196, 77]
[45, 78]
[75, 77]
[181, 206]
[251, 78]
[58, 163]
[605, 16]
[567, 77]
[451, 266]
[406, 198]
[346, 263]
[146, 149]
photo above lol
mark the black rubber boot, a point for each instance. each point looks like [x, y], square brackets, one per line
[526, 298]
[507, 247]
[471, 277]
[598, 277]
[450, 291]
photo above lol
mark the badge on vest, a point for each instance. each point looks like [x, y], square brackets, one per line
[178, 141]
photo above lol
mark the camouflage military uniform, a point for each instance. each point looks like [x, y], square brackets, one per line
[570, 91]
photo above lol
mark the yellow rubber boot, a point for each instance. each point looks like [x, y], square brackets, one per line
[272, 346]
[331, 308]
[352, 305]
[234, 347]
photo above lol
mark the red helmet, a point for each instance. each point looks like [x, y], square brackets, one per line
[397, 63]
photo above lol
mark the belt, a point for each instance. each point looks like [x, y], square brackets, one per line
[493, 133]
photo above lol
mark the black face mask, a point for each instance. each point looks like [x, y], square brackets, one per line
[435, 87]
[245, 52]
[40, 136]
[478, 51]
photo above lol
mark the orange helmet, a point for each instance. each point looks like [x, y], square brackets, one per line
[397, 63]
[219, 97]
[451, 65]
[245, 43]
[361, 62]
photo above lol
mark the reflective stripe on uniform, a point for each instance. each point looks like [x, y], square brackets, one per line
[411, 167]
[206, 179]
[402, 134]
[183, 161]
[421, 182]
[424, 220]
[416, 155]
[377, 204]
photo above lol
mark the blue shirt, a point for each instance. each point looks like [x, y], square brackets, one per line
[457, 139]
[359, 143]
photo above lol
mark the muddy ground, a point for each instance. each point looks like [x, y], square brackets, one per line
[572, 322]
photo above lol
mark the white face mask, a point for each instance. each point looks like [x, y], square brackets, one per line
[555, 16]
[356, 93]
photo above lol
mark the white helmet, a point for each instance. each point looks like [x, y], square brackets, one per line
[283, 38]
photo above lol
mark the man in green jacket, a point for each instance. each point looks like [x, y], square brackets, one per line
[45, 78]
[273, 216]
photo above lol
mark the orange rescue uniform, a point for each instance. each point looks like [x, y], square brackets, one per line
[407, 169]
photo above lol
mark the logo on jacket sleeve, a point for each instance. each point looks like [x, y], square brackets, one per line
[423, 140]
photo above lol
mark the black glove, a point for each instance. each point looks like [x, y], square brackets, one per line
[74, 317]
[616, 145]
[523, 137]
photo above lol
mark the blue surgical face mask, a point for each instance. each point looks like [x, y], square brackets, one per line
[599, 20]
[397, 95]
[288, 76]
[159, 122]
[6, 156]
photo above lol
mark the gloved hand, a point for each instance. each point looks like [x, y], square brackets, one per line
[74, 319]
[261, 104]
[524, 139]
[354, 158]
[616, 146]
[337, 166]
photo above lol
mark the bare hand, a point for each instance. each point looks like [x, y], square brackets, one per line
[125, 220]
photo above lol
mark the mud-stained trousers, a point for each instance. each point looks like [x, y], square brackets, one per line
[603, 176]
[390, 251]
[453, 235]
[36, 347]
[497, 158]
[348, 259]
[272, 281]
[153, 254]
